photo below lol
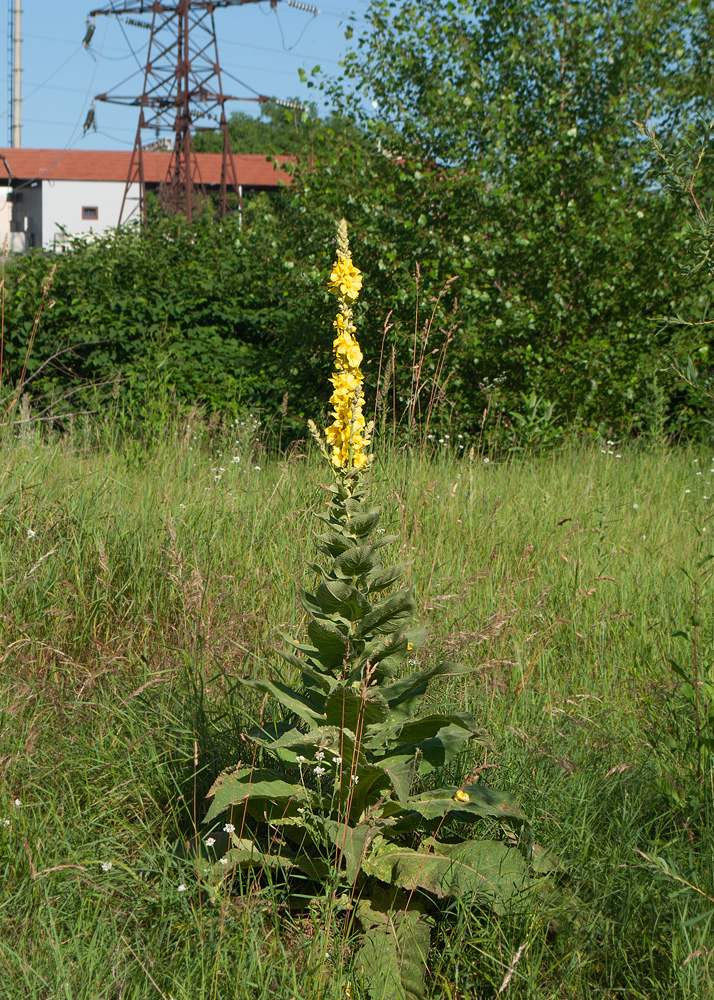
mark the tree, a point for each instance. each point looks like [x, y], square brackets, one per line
[502, 153]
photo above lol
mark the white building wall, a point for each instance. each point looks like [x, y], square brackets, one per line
[63, 203]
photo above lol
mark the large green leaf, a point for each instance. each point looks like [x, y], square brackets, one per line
[379, 579]
[485, 871]
[429, 808]
[356, 561]
[256, 784]
[400, 768]
[396, 938]
[330, 642]
[363, 520]
[350, 844]
[332, 616]
[391, 614]
[434, 751]
[332, 543]
[346, 707]
[340, 597]
[308, 709]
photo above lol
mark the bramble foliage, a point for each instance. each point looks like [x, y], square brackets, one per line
[180, 309]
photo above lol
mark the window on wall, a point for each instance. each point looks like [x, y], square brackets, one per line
[90, 212]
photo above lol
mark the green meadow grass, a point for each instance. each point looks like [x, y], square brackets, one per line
[136, 585]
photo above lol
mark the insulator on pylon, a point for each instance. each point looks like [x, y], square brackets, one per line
[91, 26]
[304, 6]
[137, 24]
[90, 121]
[289, 104]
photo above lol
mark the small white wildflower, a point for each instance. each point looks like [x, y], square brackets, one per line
[257, 468]
[441, 440]
[210, 841]
[687, 491]
[320, 755]
[6, 822]
[236, 458]
[355, 779]
[635, 506]
[221, 469]
[301, 810]
[223, 861]
[618, 456]
[486, 461]
[181, 888]
[380, 531]
[611, 442]
[698, 473]
[704, 529]
[300, 759]
[319, 770]
[182, 505]
[31, 533]
[459, 436]
[17, 803]
[336, 760]
[603, 452]
[229, 828]
[106, 866]
[644, 537]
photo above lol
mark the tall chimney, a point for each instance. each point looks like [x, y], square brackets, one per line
[17, 79]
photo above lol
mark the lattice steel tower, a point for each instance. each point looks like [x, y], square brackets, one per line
[182, 85]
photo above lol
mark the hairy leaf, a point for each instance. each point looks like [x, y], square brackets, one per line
[252, 784]
[345, 707]
[395, 945]
[356, 561]
[486, 871]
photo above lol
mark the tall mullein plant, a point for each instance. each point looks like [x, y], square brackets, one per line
[340, 795]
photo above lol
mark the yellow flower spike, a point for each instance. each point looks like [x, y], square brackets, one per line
[462, 796]
[346, 434]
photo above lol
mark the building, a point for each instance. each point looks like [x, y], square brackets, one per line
[47, 192]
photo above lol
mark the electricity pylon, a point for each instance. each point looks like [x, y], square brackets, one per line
[182, 85]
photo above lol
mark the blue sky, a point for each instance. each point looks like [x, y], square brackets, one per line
[265, 48]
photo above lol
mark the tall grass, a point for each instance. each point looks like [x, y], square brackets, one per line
[135, 586]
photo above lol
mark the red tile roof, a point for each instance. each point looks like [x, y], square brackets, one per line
[107, 165]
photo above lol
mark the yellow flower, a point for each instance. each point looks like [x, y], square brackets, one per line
[346, 434]
[462, 796]
[345, 278]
